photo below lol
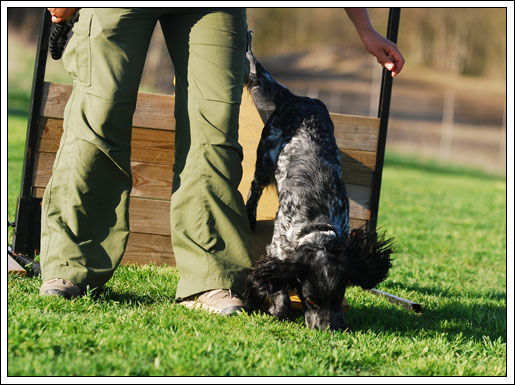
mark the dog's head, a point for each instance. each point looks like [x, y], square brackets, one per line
[320, 274]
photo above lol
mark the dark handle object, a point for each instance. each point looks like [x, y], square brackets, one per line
[406, 303]
[28, 263]
[383, 115]
[58, 39]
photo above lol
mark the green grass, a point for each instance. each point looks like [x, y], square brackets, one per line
[450, 226]
[17, 127]
[134, 328]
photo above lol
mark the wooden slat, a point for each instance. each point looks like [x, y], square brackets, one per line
[50, 134]
[356, 223]
[152, 110]
[55, 97]
[148, 180]
[148, 145]
[354, 177]
[155, 182]
[356, 132]
[149, 216]
[14, 267]
[156, 111]
[357, 212]
[37, 192]
[364, 161]
[152, 146]
[151, 180]
[153, 216]
[358, 167]
[149, 248]
[359, 201]
[43, 162]
[142, 248]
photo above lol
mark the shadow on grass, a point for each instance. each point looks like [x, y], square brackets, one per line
[109, 295]
[441, 292]
[452, 317]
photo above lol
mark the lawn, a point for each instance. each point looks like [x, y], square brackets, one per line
[450, 227]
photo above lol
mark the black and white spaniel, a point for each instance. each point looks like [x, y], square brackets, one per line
[312, 250]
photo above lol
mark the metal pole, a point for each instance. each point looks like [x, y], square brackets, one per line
[26, 230]
[383, 114]
[35, 103]
[405, 303]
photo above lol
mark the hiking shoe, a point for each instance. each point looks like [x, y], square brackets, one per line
[220, 301]
[60, 287]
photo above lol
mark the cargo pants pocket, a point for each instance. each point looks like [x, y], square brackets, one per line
[77, 58]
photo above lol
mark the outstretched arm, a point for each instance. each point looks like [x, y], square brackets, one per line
[386, 52]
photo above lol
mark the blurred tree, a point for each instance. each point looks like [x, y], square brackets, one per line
[24, 22]
[282, 30]
[467, 41]
[470, 41]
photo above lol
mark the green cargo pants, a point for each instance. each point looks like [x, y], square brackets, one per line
[85, 220]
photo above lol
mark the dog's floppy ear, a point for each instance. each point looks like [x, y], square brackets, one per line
[367, 257]
[270, 276]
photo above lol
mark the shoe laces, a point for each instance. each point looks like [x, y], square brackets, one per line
[223, 292]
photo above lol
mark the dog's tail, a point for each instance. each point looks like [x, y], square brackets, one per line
[266, 92]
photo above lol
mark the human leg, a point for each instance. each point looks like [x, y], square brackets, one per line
[85, 207]
[210, 231]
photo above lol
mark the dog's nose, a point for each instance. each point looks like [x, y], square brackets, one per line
[325, 321]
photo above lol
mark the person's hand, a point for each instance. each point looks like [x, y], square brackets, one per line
[385, 51]
[61, 14]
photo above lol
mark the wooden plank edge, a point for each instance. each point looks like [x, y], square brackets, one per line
[14, 267]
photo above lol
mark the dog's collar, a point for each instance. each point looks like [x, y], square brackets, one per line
[308, 238]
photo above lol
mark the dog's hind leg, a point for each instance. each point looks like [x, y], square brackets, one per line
[266, 160]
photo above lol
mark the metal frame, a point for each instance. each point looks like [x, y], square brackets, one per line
[28, 216]
[383, 115]
[27, 227]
